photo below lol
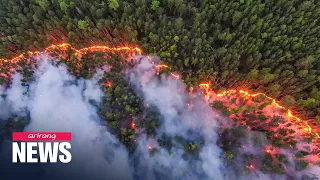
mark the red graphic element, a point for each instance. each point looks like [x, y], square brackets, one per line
[41, 136]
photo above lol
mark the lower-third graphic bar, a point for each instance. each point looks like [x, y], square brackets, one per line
[41, 136]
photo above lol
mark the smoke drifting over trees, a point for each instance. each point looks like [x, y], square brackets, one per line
[267, 46]
[184, 144]
[57, 101]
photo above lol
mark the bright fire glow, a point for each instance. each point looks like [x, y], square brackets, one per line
[206, 86]
[80, 52]
[108, 83]
[133, 125]
[161, 66]
[289, 114]
[250, 166]
[175, 75]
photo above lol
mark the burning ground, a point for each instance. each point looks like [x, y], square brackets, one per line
[162, 128]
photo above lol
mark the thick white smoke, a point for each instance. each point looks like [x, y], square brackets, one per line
[59, 102]
[170, 97]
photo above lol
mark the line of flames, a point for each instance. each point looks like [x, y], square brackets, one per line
[78, 52]
[206, 86]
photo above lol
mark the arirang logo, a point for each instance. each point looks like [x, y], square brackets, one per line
[33, 149]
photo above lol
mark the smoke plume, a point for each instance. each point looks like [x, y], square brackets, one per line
[57, 101]
[170, 97]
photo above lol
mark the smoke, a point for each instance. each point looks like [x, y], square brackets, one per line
[312, 173]
[57, 101]
[190, 118]
[171, 99]
[4, 111]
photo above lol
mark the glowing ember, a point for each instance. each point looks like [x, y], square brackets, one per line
[108, 83]
[191, 89]
[161, 66]
[133, 125]
[250, 166]
[204, 86]
[175, 75]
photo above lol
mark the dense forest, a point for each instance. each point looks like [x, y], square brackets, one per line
[266, 46]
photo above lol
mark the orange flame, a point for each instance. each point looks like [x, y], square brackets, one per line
[65, 46]
[191, 89]
[133, 125]
[250, 166]
[161, 66]
[108, 83]
[175, 75]
[274, 103]
[206, 86]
